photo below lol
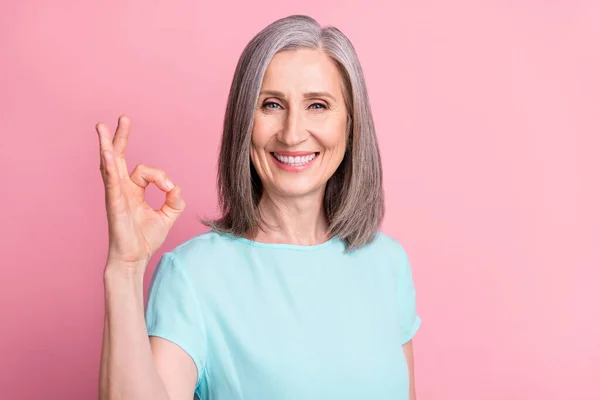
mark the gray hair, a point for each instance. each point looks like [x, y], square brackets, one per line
[353, 201]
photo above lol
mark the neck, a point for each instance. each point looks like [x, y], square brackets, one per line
[292, 220]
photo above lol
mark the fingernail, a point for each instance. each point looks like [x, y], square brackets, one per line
[169, 184]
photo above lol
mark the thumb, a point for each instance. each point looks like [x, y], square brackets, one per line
[174, 204]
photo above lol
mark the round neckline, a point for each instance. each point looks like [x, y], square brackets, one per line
[282, 246]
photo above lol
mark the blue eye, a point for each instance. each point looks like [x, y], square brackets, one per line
[270, 104]
[321, 106]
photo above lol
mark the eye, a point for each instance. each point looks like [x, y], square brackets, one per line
[318, 106]
[270, 105]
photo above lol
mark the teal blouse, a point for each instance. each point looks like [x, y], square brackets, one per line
[279, 321]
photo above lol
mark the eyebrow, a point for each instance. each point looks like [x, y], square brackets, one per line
[307, 95]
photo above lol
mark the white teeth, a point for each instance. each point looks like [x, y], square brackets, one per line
[295, 161]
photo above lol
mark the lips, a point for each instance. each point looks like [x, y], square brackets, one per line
[294, 161]
[295, 153]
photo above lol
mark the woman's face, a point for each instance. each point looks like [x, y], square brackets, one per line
[299, 133]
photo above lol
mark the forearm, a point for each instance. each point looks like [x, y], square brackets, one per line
[408, 351]
[127, 369]
[103, 383]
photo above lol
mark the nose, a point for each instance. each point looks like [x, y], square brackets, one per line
[293, 131]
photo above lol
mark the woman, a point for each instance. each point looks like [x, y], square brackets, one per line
[294, 293]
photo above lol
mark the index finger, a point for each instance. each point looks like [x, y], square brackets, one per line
[104, 137]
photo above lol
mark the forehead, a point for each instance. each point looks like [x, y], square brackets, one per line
[304, 70]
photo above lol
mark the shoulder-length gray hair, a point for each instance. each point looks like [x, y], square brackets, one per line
[353, 201]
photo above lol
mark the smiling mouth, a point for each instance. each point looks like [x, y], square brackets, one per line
[296, 161]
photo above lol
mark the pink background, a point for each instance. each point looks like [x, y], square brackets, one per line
[488, 116]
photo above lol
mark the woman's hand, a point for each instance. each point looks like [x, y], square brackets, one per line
[135, 230]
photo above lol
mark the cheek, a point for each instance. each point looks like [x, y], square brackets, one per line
[262, 133]
[258, 132]
[263, 130]
[334, 137]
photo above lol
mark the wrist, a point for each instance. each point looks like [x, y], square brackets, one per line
[117, 270]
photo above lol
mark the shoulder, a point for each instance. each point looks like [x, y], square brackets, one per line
[386, 246]
[387, 251]
[202, 249]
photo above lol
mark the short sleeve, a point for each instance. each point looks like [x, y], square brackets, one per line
[173, 311]
[409, 319]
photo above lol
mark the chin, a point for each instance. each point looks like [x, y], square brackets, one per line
[296, 189]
